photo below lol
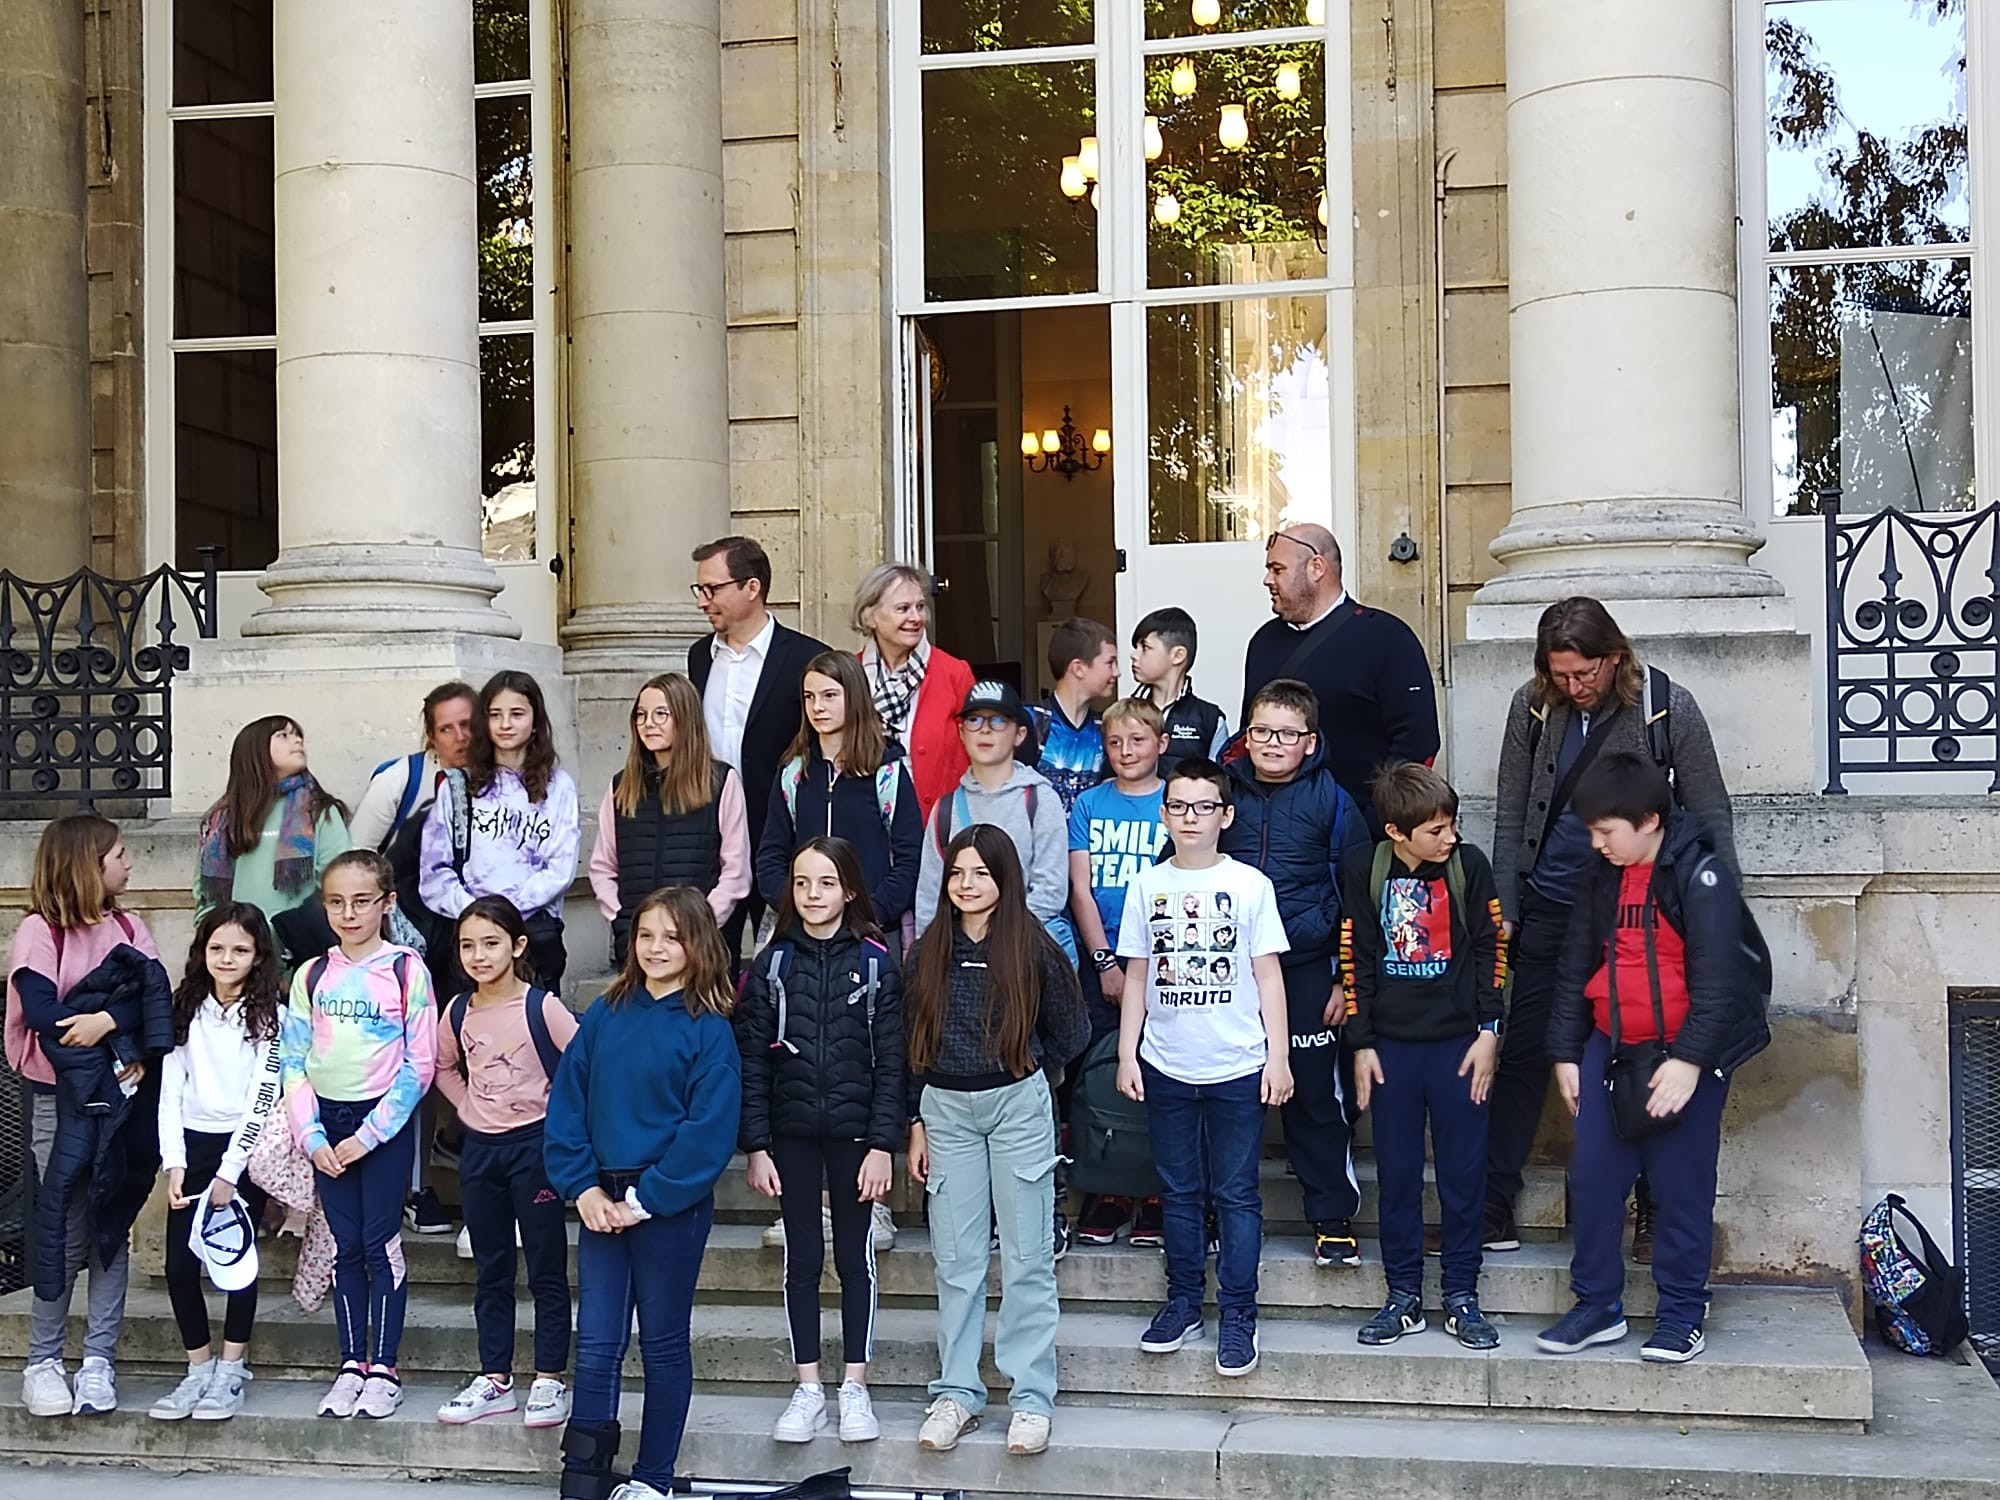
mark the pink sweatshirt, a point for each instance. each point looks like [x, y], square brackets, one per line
[731, 888]
[501, 1085]
[83, 949]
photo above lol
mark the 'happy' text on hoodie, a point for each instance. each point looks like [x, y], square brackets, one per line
[363, 1031]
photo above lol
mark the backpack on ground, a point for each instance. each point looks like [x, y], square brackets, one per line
[888, 783]
[1919, 1300]
[1110, 1147]
[546, 1049]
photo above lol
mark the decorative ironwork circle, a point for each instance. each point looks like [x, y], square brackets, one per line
[1945, 748]
[1912, 615]
[1870, 700]
[1946, 664]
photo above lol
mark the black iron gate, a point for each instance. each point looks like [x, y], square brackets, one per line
[87, 669]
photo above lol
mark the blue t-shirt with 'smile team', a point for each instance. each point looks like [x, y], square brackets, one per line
[1122, 833]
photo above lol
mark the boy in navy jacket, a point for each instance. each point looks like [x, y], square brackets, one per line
[1295, 824]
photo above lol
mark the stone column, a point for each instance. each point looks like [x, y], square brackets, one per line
[44, 291]
[649, 370]
[378, 337]
[1624, 371]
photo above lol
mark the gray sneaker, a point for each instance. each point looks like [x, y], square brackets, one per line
[381, 1395]
[184, 1398]
[96, 1388]
[225, 1392]
[345, 1393]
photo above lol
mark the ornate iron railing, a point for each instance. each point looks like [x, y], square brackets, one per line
[1912, 642]
[87, 670]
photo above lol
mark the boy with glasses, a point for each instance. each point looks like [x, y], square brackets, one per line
[1295, 823]
[1206, 1057]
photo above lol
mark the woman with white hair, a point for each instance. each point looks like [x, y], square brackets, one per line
[917, 686]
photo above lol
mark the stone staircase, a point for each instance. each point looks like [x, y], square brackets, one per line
[1785, 1403]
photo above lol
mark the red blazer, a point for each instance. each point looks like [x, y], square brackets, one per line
[936, 756]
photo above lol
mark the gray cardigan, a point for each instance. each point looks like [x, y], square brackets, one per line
[1527, 782]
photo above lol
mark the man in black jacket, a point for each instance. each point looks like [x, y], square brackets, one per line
[748, 674]
[1656, 970]
[1377, 704]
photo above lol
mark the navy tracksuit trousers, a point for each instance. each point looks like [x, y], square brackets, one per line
[1420, 1084]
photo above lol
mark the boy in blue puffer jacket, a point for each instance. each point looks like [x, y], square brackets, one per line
[1295, 824]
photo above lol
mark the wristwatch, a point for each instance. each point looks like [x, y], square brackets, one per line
[1491, 1028]
[1104, 958]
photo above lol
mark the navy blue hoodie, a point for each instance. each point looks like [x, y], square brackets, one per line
[1298, 833]
[846, 807]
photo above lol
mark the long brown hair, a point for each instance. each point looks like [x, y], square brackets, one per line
[1582, 625]
[482, 765]
[687, 779]
[252, 789]
[1016, 949]
[864, 744]
[859, 918]
[263, 986]
[66, 888]
[705, 989]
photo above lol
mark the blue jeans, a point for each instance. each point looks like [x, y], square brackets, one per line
[649, 1269]
[364, 1209]
[1207, 1139]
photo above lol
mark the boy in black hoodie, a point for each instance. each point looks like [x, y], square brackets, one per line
[1425, 963]
[1660, 963]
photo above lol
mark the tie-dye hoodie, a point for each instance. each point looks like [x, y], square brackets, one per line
[362, 1033]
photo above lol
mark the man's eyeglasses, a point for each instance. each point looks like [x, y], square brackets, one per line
[360, 906]
[707, 591]
[1584, 678]
[1297, 541]
[652, 716]
[1265, 734]
[978, 723]
[1178, 809]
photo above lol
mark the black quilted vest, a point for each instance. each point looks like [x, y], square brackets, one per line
[656, 849]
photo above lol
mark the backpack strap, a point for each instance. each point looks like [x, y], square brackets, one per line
[461, 820]
[774, 971]
[539, 1033]
[872, 987]
[455, 1017]
[1540, 715]
[1454, 883]
[1655, 699]
[124, 925]
[1029, 797]
[413, 787]
[888, 785]
[315, 972]
[788, 786]
[1378, 873]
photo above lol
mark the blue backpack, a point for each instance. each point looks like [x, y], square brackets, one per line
[413, 788]
[538, 1029]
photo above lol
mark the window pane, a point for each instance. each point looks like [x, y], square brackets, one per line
[506, 211]
[997, 222]
[499, 40]
[995, 25]
[222, 51]
[1240, 416]
[1866, 102]
[1236, 188]
[226, 457]
[224, 281]
[507, 446]
[1871, 386]
[1205, 17]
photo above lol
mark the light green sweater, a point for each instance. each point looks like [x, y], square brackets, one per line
[255, 871]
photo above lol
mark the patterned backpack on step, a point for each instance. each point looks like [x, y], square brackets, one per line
[1919, 1300]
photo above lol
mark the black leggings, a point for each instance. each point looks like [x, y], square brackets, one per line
[805, 1164]
[184, 1270]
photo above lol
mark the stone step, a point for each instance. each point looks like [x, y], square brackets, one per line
[1775, 1354]
[1533, 1279]
[1938, 1438]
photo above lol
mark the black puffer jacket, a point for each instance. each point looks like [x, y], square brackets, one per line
[812, 1063]
[1727, 962]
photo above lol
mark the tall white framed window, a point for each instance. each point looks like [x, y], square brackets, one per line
[1864, 179]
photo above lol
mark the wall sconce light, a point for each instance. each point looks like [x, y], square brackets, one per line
[1156, 144]
[1086, 156]
[1167, 208]
[1182, 82]
[1234, 130]
[1074, 184]
[1288, 80]
[1207, 12]
[1315, 12]
[1064, 450]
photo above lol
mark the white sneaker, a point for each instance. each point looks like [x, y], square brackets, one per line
[945, 1422]
[805, 1418]
[483, 1397]
[857, 1414]
[96, 1388]
[636, 1489]
[465, 1243]
[774, 1236]
[548, 1404]
[225, 1392]
[1028, 1432]
[381, 1396]
[882, 1225]
[183, 1398]
[45, 1389]
[345, 1392]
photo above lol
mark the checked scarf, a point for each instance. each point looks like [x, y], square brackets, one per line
[896, 690]
[292, 860]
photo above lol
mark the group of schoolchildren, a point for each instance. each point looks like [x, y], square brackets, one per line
[1216, 911]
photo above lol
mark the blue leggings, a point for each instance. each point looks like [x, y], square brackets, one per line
[364, 1209]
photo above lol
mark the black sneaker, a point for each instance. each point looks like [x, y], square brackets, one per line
[1334, 1244]
[1149, 1226]
[1236, 1341]
[1061, 1235]
[1673, 1344]
[1178, 1323]
[1103, 1220]
[424, 1214]
[1402, 1313]
[1499, 1231]
[1642, 1224]
[1581, 1327]
[1465, 1322]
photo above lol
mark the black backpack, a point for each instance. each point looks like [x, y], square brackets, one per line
[546, 1049]
[1111, 1149]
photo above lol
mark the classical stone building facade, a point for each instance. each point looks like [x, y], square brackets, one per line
[457, 324]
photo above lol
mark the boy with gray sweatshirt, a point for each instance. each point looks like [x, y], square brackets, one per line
[1002, 787]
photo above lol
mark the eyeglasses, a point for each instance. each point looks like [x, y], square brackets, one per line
[1295, 541]
[652, 716]
[707, 591]
[1584, 678]
[978, 722]
[1265, 734]
[360, 906]
[1179, 809]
